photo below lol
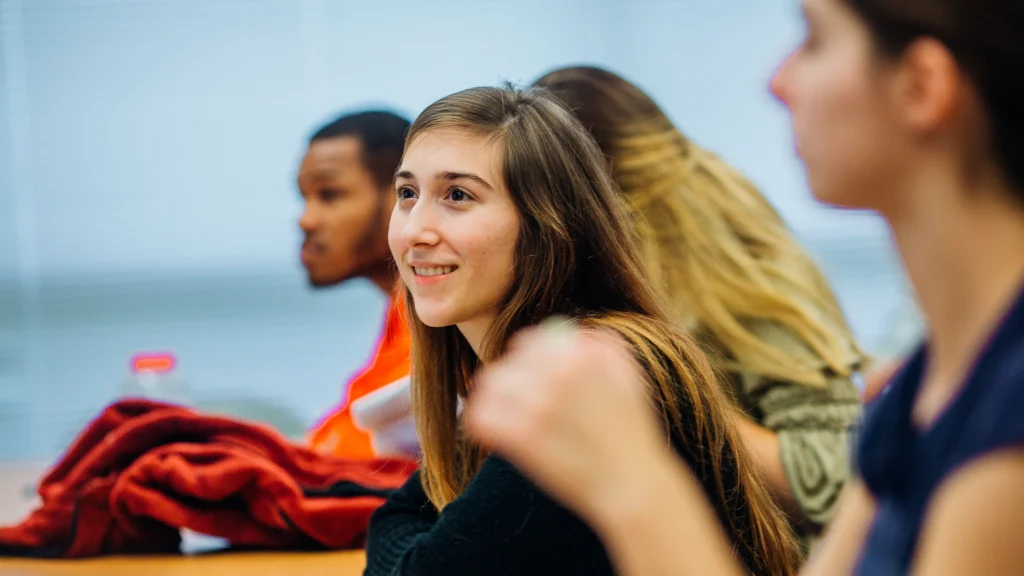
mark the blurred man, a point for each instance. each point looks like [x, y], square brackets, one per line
[346, 179]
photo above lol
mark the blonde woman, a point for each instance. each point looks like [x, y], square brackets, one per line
[735, 277]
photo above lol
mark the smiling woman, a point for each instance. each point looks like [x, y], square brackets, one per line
[505, 215]
[454, 230]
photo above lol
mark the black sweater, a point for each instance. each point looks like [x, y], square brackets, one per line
[501, 524]
[504, 524]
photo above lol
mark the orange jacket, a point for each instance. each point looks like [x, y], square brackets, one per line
[337, 434]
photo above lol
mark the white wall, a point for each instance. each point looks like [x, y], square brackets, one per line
[148, 151]
[165, 134]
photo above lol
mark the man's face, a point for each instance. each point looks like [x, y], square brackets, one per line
[346, 213]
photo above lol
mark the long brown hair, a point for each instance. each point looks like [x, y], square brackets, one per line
[577, 256]
[720, 254]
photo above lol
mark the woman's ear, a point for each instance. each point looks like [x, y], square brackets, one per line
[928, 89]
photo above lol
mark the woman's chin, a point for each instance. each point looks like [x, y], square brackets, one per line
[434, 320]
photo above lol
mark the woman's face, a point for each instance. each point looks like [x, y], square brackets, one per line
[454, 230]
[839, 95]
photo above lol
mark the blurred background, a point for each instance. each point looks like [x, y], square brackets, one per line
[149, 148]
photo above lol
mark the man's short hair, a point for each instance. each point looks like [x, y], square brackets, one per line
[382, 135]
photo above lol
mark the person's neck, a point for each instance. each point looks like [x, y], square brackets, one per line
[475, 331]
[384, 277]
[961, 247]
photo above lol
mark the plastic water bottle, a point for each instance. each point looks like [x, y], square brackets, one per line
[152, 375]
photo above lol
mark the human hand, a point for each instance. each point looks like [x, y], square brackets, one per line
[571, 409]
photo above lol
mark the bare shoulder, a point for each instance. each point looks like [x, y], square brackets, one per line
[974, 520]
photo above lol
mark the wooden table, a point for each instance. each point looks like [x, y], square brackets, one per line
[227, 564]
[15, 503]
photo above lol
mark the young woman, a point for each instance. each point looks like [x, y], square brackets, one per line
[912, 108]
[733, 275]
[506, 215]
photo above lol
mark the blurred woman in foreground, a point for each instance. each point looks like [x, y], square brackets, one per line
[913, 109]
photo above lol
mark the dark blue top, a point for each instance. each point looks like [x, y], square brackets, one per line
[902, 465]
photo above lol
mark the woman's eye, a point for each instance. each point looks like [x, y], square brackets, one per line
[811, 38]
[406, 193]
[457, 195]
